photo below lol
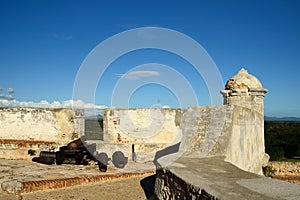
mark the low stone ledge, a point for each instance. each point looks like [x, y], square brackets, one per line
[32, 186]
[18, 149]
[21, 176]
[41, 185]
[213, 178]
[25, 143]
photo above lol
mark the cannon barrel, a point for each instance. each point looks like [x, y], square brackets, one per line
[49, 154]
[44, 160]
[81, 155]
[75, 144]
[70, 157]
[102, 161]
[74, 153]
[119, 160]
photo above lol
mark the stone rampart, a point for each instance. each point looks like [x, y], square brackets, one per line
[230, 130]
[222, 151]
[213, 178]
[141, 125]
[142, 130]
[22, 129]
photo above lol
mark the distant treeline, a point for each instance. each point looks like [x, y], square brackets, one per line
[282, 140]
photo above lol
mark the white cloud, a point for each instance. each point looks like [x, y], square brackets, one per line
[6, 96]
[138, 74]
[10, 90]
[89, 108]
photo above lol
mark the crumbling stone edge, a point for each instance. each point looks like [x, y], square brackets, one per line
[173, 187]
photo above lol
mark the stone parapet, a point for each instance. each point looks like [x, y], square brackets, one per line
[18, 149]
[37, 129]
[213, 178]
[46, 124]
[141, 125]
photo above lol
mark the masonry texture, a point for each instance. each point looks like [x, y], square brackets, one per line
[142, 130]
[38, 129]
[22, 176]
[220, 146]
[230, 131]
[213, 178]
[141, 125]
[203, 152]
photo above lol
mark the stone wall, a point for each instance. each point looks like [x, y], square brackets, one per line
[246, 148]
[142, 129]
[35, 128]
[231, 131]
[59, 124]
[141, 125]
[213, 178]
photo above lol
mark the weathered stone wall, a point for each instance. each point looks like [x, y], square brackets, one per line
[246, 148]
[141, 125]
[37, 128]
[213, 178]
[59, 124]
[149, 130]
[253, 100]
[170, 186]
[232, 131]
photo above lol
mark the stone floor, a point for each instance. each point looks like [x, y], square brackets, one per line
[128, 188]
[20, 178]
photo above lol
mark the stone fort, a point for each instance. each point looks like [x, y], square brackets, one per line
[234, 130]
[201, 152]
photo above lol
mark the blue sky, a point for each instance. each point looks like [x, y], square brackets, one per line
[44, 43]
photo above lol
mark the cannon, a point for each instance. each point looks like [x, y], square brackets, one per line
[46, 157]
[74, 153]
[71, 157]
[76, 144]
[44, 160]
[77, 153]
[119, 160]
[49, 154]
[82, 155]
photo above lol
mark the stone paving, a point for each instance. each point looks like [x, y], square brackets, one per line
[21, 176]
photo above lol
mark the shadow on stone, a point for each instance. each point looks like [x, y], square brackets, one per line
[148, 185]
[166, 151]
